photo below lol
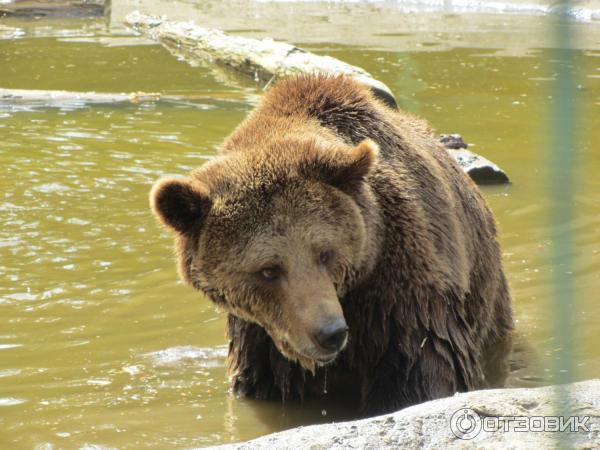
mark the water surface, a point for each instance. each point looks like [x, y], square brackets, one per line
[100, 344]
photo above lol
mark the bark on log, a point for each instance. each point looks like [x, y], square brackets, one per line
[261, 59]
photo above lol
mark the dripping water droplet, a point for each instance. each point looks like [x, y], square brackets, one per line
[325, 383]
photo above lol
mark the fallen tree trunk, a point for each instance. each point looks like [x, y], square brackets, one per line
[265, 60]
[261, 59]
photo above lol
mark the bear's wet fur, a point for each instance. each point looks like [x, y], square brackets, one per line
[326, 206]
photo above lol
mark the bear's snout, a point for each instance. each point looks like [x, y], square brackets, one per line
[333, 335]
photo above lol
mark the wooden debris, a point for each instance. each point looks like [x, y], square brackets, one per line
[263, 60]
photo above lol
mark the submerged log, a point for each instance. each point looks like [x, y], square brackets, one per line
[54, 8]
[58, 99]
[28, 99]
[49, 97]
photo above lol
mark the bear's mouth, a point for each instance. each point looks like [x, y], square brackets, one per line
[308, 359]
[323, 361]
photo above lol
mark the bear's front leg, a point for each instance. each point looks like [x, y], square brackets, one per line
[257, 368]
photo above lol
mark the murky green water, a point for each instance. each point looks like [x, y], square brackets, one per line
[99, 342]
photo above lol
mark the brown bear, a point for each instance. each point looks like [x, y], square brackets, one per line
[339, 235]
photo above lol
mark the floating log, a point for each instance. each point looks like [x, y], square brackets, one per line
[264, 60]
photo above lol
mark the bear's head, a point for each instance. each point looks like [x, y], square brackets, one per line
[276, 236]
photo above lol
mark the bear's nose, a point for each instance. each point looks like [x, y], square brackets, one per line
[333, 335]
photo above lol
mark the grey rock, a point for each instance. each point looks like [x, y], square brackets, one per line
[453, 141]
[430, 425]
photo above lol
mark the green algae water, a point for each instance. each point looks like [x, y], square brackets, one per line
[101, 345]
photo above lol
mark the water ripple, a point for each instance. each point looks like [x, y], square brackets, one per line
[202, 356]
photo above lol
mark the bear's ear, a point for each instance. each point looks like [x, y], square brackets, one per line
[178, 204]
[344, 168]
[362, 159]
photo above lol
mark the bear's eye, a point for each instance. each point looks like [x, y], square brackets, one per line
[326, 257]
[270, 273]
